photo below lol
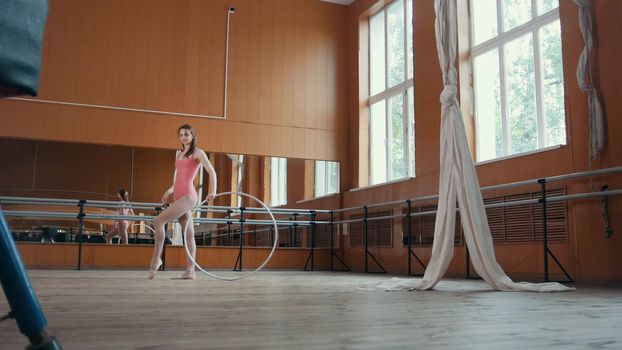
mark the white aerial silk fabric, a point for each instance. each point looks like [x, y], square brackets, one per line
[458, 181]
[584, 78]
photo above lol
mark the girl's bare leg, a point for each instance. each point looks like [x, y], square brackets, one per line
[190, 243]
[177, 209]
[123, 237]
[111, 234]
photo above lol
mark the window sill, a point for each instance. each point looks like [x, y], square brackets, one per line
[381, 184]
[517, 155]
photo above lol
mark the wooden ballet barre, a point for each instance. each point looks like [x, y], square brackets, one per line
[115, 217]
[531, 182]
[559, 198]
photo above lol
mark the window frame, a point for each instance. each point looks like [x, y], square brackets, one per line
[498, 42]
[390, 92]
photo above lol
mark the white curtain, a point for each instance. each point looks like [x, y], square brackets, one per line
[584, 78]
[458, 181]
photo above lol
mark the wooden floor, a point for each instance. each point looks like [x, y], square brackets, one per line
[105, 309]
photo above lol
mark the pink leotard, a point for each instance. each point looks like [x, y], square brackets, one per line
[187, 169]
[124, 209]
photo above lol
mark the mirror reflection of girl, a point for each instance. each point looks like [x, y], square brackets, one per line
[187, 164]
[121, 226]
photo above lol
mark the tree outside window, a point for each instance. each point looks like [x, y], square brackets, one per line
[326, 178]
[517, 76]
[391, 122]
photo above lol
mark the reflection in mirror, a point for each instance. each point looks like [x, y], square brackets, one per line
[326, 178]
[46, 169]
[278, 181]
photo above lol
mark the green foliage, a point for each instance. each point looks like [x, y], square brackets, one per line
[520, 83]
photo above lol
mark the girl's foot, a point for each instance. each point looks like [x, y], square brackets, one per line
[189, 275]
[153, 271]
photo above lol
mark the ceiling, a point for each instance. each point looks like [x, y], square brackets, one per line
[340, 2]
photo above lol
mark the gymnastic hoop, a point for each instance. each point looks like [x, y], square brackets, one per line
[276, 238]
[143, 225]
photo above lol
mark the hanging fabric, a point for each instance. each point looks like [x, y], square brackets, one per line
[584, 78]
[458, 182]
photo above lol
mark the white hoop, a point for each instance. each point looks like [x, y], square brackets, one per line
[276, 238]
[143, 225]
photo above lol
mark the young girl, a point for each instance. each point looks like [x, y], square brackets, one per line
[122, 225]
[187, 164]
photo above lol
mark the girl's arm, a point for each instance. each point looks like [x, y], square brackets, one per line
[202, 157]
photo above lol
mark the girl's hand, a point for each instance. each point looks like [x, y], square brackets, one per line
[210, 197]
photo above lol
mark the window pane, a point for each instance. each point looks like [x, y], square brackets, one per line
[409, 38]
[282, 181]
[484, 20]
[398, 166]
[411, 130]
[552, 85]
[515, 13]
[395, 37]
[320, 178]
[545, 6]
[489, 127]
[333, 177]
[520, 90]
[378, 154]
[274, 181]
[278, 181]
[376, 55]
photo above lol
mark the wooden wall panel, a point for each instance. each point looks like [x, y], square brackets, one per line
[164, 55]
[223, 165]
[65, 255]
[309, 179]
[84, 171]
[18, 162]
[68, 168]
[295, 181]
[253, 177]
[152, 174]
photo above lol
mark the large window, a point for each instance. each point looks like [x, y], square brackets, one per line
[326, 177]
[391, 102]
[278, 181]
[517, 76]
